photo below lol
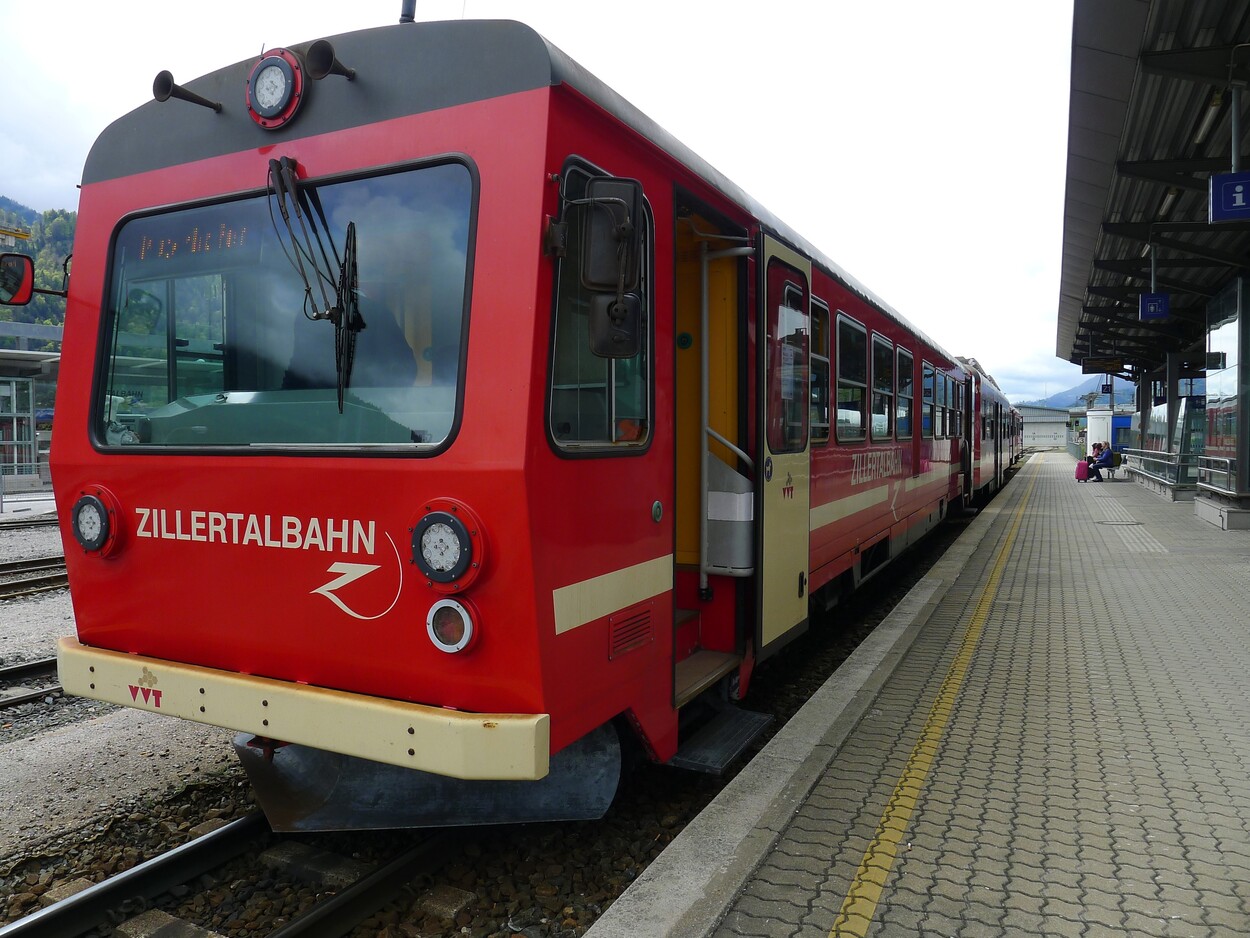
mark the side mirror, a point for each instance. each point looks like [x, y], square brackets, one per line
[611, 237]
[17, 279]
[615, 326]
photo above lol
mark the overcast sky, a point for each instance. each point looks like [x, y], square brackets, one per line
[920, 145]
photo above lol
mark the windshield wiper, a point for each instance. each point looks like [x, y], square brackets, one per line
[347, 322]
[345, 312]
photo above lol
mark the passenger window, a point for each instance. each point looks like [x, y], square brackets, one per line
[927, 404]
[820, 372]
[594, 402]
[906, 393]
[852, 379]
[957, 402]
[882, 388]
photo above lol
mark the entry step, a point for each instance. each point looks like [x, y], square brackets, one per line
[721, 740]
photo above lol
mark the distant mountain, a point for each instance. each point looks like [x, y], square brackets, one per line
[26, 214]
[1125, 393]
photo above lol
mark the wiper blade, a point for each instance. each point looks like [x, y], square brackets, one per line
[346, 314]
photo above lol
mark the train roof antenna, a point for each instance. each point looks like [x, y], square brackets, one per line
[407, 11]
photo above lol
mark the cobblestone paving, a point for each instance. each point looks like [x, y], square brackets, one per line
[1091, 774]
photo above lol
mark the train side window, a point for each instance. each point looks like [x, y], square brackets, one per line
[959, 390]
[906, 393]
[852, 378]
[882, 388]
[951, 422]
[926, 401]
[594, 403]
[941, 421]
[788, 347]
[820, 372]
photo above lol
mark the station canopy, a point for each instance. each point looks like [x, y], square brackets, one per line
[1150, 122]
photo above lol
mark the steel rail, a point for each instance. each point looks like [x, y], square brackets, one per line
[39, 666]
[33, 564]
[27, 586]
[88, 909]
[42, 667]
[38, 521]
[343, 912]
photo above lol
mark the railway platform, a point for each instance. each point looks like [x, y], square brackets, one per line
[1049, 736]
[25, 505]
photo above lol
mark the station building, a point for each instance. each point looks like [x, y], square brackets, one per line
[27, 390]
[1044, 427]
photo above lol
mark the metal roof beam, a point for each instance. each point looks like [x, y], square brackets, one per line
[1140, 266]
[1166, 285]
[1142, 232]
[1128, 292]
[1105, 312]
[1119, 346]
[1107, 342]
[1162, 171]
[1209, 64]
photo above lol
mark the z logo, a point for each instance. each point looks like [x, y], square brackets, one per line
[350, 573]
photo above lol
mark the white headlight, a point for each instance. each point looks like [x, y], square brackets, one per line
[90, 522]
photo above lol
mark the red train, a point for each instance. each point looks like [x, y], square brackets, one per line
[436, 420]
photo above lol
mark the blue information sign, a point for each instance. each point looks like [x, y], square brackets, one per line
[1153, 306]
[1228, 197]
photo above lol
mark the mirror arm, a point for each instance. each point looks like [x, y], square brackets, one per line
[64, 291]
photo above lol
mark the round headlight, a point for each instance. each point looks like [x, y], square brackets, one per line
[449, 626]
[448, 545]
[275, 89]
[441, 547]
[90, 522]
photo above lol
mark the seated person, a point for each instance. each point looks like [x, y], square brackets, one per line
[1102, 460]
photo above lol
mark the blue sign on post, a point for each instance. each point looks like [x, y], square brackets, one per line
[1153, 306]
[1228, 197]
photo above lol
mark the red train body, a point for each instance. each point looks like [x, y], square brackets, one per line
[609, 433]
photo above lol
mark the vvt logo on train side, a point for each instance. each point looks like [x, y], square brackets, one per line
[147, 687]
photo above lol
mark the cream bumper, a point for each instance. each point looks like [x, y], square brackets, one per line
[445, 742]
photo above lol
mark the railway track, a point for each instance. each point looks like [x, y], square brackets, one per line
[93, 906]
[35, 521]
[27, 682]
[35, 575]
[353, 894]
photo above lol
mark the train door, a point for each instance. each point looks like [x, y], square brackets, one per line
[784, 498]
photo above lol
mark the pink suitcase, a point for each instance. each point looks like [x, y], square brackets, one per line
[1082, 471]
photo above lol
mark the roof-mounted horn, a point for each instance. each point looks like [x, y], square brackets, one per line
[164, 87]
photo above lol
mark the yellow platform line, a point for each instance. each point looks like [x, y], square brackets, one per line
[860, 903]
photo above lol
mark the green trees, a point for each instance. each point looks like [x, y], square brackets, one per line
[51, 242]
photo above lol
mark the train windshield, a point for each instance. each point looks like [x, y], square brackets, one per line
[215, 331]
